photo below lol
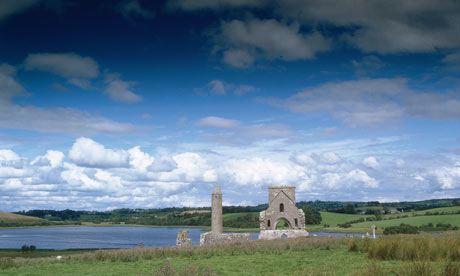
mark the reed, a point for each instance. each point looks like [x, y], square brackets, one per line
[410, 247]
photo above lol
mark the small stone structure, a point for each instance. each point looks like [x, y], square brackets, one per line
[183, 239]
[216, 236]
[281, 207]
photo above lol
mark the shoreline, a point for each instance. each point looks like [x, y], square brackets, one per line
[203, 228]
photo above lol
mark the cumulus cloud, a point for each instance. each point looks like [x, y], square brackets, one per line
[52, 158]
[372, 102]
[120, 90]
[218, 122]
[244, 41]
[133, 8]
[371, 162]
[97, 177]
[447, 177]
[8, 155]
[68, 65]
[88, 153]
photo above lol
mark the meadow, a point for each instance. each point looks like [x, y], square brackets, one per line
[404, 255]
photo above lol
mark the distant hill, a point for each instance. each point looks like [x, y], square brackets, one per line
[9, 220]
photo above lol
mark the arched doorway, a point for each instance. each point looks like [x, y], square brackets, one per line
[282, 223]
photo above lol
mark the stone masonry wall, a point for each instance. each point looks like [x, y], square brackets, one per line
[210, 238]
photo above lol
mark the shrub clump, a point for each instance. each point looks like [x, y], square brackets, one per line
[401, 229]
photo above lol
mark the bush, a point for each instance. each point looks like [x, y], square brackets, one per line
[401, 229]
[25, 248]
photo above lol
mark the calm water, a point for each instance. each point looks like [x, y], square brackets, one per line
[102, 237]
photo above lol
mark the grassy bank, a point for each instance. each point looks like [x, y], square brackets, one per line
[397, 255]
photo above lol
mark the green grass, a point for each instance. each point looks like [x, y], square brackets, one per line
[397, 255]
[40, 253]
[333, 219]
[231, 216]
[288, 263]
[454, 220]
[452, 209]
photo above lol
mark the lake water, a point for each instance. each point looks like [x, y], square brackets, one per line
[102, 237]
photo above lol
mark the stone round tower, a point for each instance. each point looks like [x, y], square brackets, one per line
[216, 215]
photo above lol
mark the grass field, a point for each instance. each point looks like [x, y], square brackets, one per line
[402, 255]
[9, 220]
[235, 215]
[454, 220]
[9, 217]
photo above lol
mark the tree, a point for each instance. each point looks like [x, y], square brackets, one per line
[455, 202]
[312, 216]
[25, 248]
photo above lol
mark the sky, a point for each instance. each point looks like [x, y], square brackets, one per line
[148, 104]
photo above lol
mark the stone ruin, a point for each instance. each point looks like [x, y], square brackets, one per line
[216, 235]
[282, 207]
[183, 239]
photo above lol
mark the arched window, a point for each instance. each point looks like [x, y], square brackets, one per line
[281, 207]
[296, 223]
[268, 223]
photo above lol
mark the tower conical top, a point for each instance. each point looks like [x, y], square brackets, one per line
[217, 189]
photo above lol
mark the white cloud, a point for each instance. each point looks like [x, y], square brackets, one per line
[372, 102]
[132, 8]
[68, 65]
[88, 153]
[361, 177]
[257, 172]
[52, 158]
[304, 160]
[163, 164]
[120, 90]
[329, 158]
[447, 177]
[371, 162]
[139, 159]
[96, 177]
[8, 155]
[218, 122]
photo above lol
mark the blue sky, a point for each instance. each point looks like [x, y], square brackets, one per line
[145, 104]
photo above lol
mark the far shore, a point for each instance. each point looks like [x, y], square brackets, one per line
[204, 228]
